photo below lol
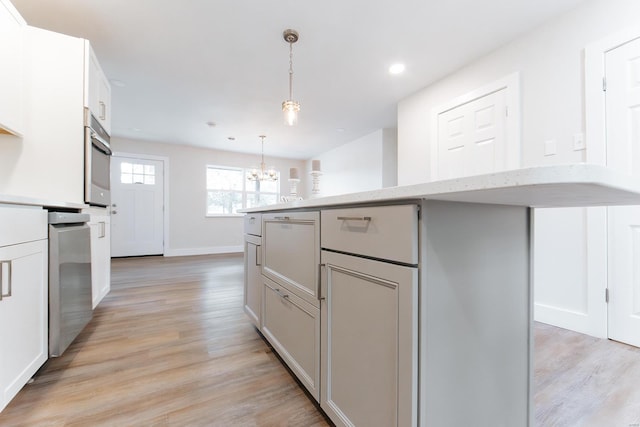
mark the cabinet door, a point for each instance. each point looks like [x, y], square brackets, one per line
[11, 71]
[252, 280]
[100, 257]
[23, 315]
[291, 254]
[292, 326]
[369, 342]
[98, 96]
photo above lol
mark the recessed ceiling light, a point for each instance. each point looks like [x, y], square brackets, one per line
[211, 124]
[396, 69]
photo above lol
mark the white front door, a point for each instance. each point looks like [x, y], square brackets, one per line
[622, 70]
[137, 199]
[472, 137]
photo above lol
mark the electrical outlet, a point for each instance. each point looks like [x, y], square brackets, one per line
[578, 142]
[550, 147]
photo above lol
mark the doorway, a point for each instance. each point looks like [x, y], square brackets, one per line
[622, 126]
[137, 205]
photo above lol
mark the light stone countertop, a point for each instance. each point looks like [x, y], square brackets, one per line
[30, 201]
[540, 187]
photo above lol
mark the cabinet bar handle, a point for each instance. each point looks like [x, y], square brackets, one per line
[282, 218]
[281, 295]
[321, 269]
[103, 111]
[103, 230]
[354, 218]
[9, 275]
[258, 256]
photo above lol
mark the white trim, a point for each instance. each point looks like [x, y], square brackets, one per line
[513, 135]
[596, 147]
[165, 178]
[13, 12]
[212, 250]
[594, 70]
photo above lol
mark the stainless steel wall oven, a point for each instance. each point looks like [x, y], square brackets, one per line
[97, 162]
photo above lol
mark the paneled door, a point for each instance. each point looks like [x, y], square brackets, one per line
[472, 137]
[137, 206]
[622, 70]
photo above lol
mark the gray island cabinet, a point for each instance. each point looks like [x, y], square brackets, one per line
[412, 305]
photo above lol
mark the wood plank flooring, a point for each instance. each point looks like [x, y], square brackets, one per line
[171, 346]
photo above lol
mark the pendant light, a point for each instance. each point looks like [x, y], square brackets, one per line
[263, 174]
[290, 108]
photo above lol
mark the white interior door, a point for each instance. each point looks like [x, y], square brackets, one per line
[622, 70]
[472, 137]
[137, 204]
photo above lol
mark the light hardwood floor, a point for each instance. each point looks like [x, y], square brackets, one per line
[171, 346]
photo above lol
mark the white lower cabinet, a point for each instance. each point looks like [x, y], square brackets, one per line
[350, 336]
[290, 282]
[369, 342]
[24, 297]
[100, 224]
[292, 326]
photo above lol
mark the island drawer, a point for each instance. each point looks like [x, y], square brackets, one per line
[253, 224]
[291, 252]
[292, 326]
[383, 232]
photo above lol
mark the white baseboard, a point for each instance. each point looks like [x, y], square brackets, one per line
[562, 318]
[213, 250]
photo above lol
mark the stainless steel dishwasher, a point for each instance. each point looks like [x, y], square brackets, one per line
[69, 278]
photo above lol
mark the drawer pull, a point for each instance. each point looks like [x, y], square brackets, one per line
[282, 218]
[354, 218]
[320, 281]
[281, 295]
[9, 284]
[258, 256]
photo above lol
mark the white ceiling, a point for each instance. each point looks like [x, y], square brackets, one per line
[185, 63]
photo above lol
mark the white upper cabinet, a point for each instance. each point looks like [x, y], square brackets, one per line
[97, 91]
[11, 71]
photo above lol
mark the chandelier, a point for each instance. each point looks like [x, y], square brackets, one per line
[290, 108]
[263, 174]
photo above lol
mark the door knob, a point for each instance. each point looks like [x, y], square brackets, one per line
[114, 211]
[114, 205]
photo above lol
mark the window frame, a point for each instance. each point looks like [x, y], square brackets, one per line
[245, 192]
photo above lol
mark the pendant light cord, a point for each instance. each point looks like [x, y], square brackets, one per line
[290, 71]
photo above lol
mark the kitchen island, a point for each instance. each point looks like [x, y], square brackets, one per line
[412, 305]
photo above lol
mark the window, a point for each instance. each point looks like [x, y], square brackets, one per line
[228, 190]
[135, 173]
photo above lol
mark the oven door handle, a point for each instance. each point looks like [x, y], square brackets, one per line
[100, 143]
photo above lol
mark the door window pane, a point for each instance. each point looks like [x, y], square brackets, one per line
[137, 173]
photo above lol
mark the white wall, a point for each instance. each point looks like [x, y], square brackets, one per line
[367, 163]
[551, 65]
[190, 231]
